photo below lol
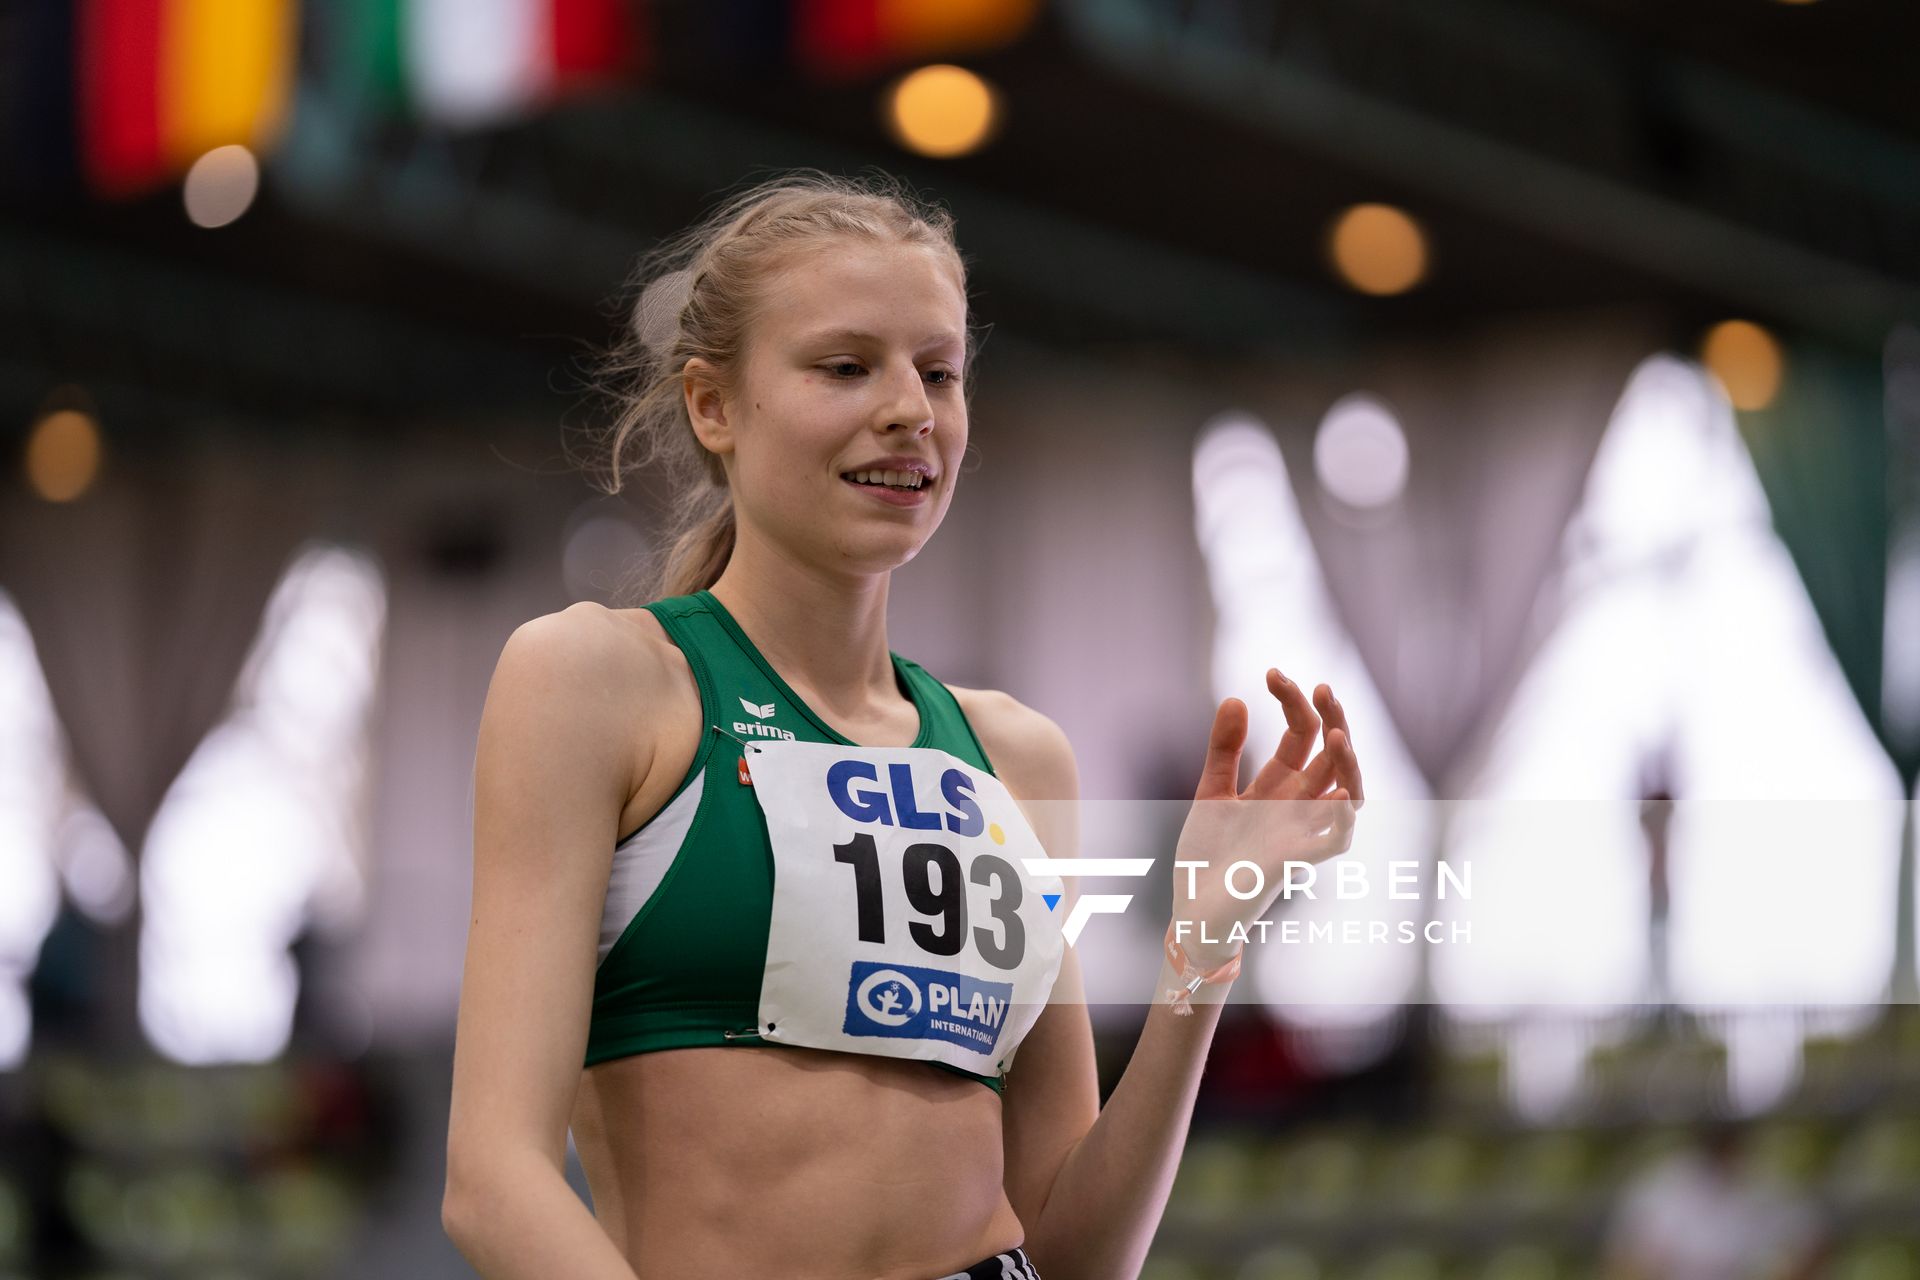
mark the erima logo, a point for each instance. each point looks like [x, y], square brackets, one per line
[881, 994]
[1090, 904]
[751, 729]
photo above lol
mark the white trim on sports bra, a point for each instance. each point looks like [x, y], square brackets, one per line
[640, 862]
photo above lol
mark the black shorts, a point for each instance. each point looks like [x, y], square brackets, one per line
[1011, 1265]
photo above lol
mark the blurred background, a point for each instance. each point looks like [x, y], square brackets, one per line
[1544, 374]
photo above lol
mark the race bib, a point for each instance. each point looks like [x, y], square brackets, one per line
[904, 921]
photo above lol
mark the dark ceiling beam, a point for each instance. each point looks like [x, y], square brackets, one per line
[1150, 288]
[511, 204]
[480, 203]
[161, 345]
[1654, 162]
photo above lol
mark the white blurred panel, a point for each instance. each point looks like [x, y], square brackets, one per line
[1273, 610]
[32, 775]
[1683, 635]
[259, 835]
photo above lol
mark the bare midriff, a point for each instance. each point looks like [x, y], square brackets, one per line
[749, 1161]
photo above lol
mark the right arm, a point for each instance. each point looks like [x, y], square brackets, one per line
[557, 760]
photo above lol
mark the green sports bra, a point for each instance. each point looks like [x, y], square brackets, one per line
[683, 936]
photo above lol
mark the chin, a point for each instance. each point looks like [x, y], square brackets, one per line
[879, 555]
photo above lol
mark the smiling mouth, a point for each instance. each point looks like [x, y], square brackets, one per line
[898, 481]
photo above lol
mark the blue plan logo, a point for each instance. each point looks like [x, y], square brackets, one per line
[888, 996]
[907, 1002]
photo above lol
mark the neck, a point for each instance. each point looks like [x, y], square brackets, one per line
[826, 633]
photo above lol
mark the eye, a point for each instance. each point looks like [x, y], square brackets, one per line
[839, 367]
[946, 377]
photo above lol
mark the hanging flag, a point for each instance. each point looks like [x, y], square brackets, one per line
[593, 41]
[942, 28]
[162, 82]
[119, 79]
[478, 61]
[364, 54]
[837, 39]
[472, 61]
[225, 75]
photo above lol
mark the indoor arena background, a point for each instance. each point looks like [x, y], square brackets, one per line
[1544, 374]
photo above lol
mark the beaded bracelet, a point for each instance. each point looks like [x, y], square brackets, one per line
[1190, 977]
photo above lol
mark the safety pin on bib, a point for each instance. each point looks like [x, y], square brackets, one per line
[746, 778]
[751, 1033]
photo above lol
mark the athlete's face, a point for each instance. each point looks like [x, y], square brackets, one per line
[853, 365]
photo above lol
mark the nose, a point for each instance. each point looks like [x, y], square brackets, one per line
[908, 408]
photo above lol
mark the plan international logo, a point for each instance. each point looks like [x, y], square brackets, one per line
[907, 1002]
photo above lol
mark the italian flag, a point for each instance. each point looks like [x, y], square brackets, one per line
[469, 62]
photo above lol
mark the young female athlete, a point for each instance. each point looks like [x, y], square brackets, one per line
[765, 879]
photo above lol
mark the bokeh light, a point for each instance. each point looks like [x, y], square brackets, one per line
[1378, 249]
[1360, 453]
[1747, 361]
[221, 186]
[94, 866]
[942, 111]
[63, 455]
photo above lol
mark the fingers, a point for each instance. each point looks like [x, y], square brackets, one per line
[1340, 744]
[1296, 744]
[1346, 765]
[1329, 708]
[1320, 772]
[1220, 776]
[1338, 837]
[1349, 762]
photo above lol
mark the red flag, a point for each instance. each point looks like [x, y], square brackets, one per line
[118, 74]
[594, 40]
[837, 38]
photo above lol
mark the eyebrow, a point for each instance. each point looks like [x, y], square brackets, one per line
[828, 337]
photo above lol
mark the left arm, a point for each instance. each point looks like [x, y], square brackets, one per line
[1089, 1183]
[1099, 1217]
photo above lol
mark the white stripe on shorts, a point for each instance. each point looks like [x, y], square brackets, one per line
[1012, 1267]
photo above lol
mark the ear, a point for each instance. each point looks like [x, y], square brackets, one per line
[706, 406]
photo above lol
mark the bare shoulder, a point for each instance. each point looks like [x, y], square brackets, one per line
[593, 644]
[548, 701]
[603, 673]
[1030, 753]
[612, 659]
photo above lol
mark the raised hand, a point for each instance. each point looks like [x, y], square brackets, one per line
[1299, 808]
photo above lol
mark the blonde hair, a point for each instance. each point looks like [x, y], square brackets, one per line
[698, 294]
